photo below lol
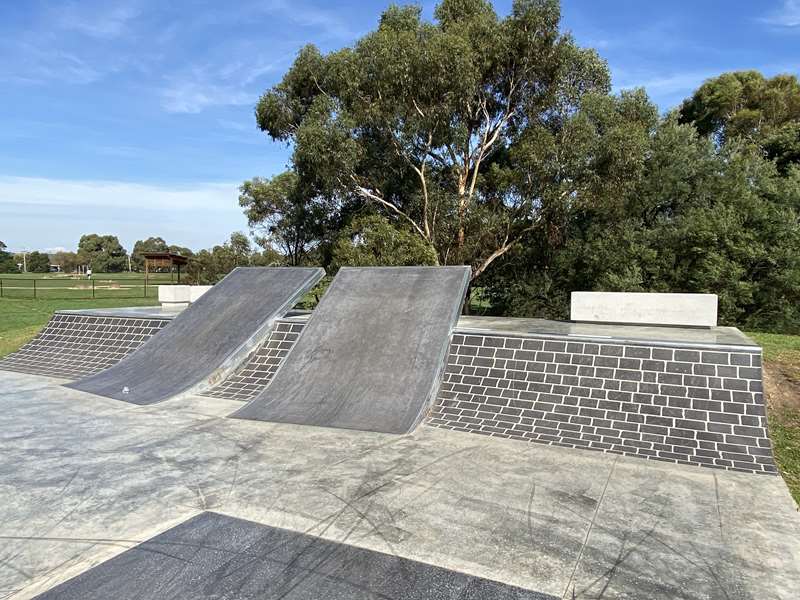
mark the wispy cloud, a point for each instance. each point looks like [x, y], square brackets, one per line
[35, 65]
[106, 20]
[109, 194]
[42, 212]
[220, 82]
[193, 97]
[788, 16]
[666, 84]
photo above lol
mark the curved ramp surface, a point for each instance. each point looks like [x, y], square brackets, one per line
[372, 353]
[207, 340]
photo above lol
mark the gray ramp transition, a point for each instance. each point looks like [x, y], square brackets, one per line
[372, 353]
[207, 340]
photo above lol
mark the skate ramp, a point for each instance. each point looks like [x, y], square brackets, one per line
[371, 355]
[207, 340]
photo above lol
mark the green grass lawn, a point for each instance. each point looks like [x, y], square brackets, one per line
[782, 379]
[60, 286]
[156, 277]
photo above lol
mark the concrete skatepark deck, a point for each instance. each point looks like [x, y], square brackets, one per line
[82, 480]
[214, 556]
[371, 355]
[207, 340]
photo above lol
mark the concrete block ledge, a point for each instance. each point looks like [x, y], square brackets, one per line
[693, 310]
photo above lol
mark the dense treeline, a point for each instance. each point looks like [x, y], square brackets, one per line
[496, 142]
[105, 254]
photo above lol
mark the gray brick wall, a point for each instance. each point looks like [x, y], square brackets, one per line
[73, 346]
[686, 405]
[254, 375]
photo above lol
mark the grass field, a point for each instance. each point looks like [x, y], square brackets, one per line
[782, 386]
[60, 286]
[22, 318]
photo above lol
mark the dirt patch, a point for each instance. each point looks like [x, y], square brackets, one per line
[782, 386]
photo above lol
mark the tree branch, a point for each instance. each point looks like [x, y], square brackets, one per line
[370, 195]
[505, 247]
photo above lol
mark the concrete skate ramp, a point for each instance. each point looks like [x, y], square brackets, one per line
[372, 353]
[207, 340]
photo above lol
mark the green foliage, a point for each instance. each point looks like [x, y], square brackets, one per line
[68, 261]
[38, 262]
[428, 123]
[286, 216]
[694, 218]
[7, 262]
[153, 244]
[747, 106]
[496, 143]
[372, 241]
[103, 253]
[209, 266]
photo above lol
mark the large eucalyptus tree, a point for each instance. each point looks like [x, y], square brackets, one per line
[469, 131]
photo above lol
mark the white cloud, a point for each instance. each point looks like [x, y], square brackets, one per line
[220, 81]
[106, 21]
[41, 212]
[33, 191]
[787, 16]
[667, 84]
[195, 96]
[35, 64]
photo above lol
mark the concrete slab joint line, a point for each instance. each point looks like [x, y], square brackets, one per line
[372, 353]
[208, 340]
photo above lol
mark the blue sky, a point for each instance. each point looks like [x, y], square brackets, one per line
[135, 117]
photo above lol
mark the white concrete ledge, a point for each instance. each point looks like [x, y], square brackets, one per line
[173, 294]
[195, 291]
[688, 310]
[180, 294]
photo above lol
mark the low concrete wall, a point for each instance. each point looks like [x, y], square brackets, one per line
[693, 405]
[694, 310]
[181, 294]
[195, 291]
[173, 294]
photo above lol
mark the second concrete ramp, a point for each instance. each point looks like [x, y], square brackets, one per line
[207, 340]
[372, 353]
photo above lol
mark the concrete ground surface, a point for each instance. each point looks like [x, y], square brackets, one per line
[84, 478]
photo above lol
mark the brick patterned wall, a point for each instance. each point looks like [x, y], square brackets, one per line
[254, 375]
[685, 405]
[75, 346]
